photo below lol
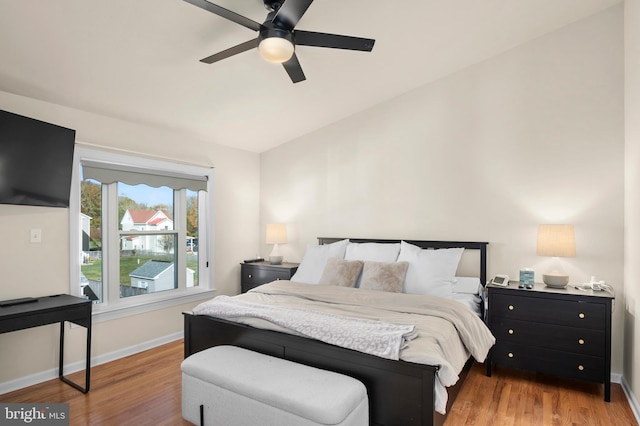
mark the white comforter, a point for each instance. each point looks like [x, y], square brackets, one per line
[448, 332]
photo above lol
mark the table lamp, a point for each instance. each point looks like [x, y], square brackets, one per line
[556, 241]
[276, 234]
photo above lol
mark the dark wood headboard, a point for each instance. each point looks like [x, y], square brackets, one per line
[467, 245]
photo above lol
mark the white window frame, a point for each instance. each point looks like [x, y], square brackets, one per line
[113, 308]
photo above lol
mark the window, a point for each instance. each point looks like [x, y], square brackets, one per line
[140, 231]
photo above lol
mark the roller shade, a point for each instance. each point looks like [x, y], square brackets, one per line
[110, 173]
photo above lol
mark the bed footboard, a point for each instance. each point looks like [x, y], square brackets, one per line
[399, 392]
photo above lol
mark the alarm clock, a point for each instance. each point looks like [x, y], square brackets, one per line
[501, 280]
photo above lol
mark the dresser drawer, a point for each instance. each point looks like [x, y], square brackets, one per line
[258, 276]
[549, 361]
[545, 310]
[562, 338]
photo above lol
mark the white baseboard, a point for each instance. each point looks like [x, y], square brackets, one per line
[43, 376]
[633, 402]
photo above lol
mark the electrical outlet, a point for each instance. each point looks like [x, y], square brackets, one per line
[36, 235]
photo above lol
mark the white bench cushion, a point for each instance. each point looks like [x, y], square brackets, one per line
[323, 397]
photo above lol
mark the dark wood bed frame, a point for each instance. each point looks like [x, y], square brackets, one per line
[400, 392]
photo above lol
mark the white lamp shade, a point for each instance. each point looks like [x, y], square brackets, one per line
[276, 233]
[276, 49]
[556, 241]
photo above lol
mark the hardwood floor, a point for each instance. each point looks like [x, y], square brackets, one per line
[512, 397]
[145, 389]
[141, 389]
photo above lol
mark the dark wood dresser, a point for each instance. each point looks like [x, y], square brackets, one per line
[563, 332]
[258, 273]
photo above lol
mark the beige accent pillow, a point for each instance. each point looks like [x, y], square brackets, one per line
[384, 276]
[340, 272]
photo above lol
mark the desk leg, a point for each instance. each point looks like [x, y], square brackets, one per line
[61, 356]
[87, 372]
[87, 376]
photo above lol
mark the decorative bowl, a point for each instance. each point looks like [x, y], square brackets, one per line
[555, 280]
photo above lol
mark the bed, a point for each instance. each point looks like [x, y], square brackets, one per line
[400, 392]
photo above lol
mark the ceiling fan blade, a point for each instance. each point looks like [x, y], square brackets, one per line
[225, 13]
[293, 68]
[334, 41]
[243, 47]
[290, 12]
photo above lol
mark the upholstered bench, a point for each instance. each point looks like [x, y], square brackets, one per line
[227, 386]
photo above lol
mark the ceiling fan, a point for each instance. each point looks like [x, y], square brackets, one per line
[277, 36]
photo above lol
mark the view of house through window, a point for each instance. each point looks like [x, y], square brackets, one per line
[144, 236]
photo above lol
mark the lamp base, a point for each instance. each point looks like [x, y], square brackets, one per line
[555, 280]
[275, 260]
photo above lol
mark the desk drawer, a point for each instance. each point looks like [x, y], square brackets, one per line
[545, 310]
[543, 360]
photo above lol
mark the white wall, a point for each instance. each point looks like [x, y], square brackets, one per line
[534, 135]
[42, 269]
[632, 199]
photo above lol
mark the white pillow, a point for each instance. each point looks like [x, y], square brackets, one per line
[372, 252]
[467, 285]
[315, 259]
[430, 272]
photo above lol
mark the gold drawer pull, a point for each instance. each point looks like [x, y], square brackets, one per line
[510, 354]
[581, 367]
[581, 315]
[511, 331]
[511, 308]
[581, 341]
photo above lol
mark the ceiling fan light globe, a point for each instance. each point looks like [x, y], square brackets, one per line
[276, 49]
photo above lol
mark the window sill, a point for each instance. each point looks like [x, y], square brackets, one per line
[131, 306]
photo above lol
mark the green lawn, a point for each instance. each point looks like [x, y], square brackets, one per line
[128, 264]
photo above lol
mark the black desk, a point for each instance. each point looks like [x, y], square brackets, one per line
[49, 310]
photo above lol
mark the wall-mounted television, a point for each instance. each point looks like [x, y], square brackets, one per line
[36, 161]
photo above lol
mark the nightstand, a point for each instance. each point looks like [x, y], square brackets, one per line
[563, 332]
[257, 273]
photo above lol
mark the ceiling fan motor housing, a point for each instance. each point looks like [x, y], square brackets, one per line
[266, 32]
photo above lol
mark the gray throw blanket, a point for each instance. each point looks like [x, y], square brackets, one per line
[378, 338]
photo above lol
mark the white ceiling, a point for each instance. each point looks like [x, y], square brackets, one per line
[138, 60]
